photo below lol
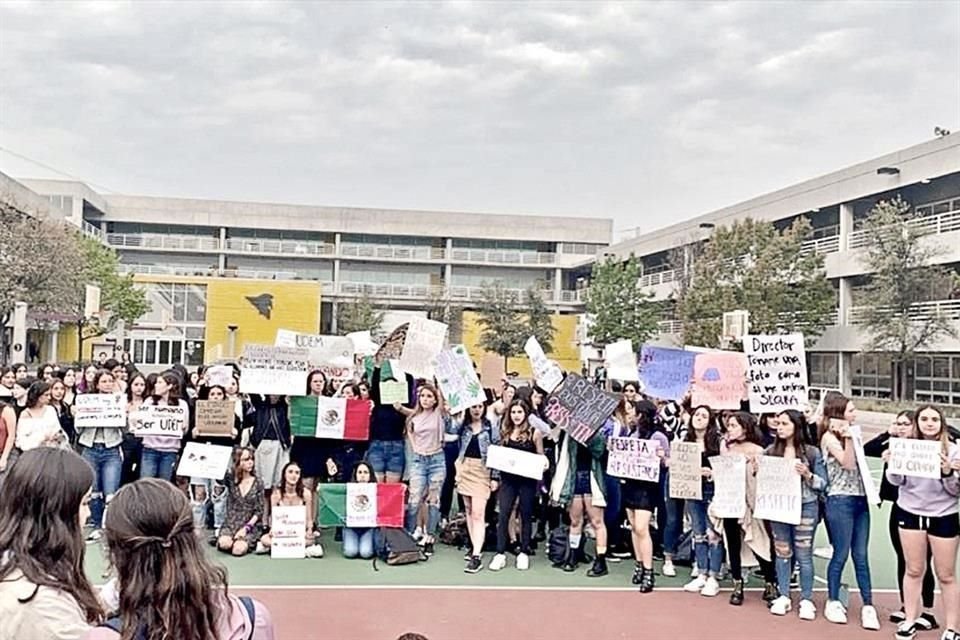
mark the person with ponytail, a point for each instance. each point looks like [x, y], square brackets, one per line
[166, 585]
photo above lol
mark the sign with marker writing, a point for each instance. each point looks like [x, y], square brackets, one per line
[719, 379]
[779, 497]
[633, 458]
[730, 486]
[916, 458]
[330, 351]
[520, 463]
[686, 478]
[98, 410]
[216, 418]
[162, 420]
[666, 373]
[200, 460]
[220, 375]
[278, 371]
[425, 339]
[288, 532]
[777, 372]
[579, 407]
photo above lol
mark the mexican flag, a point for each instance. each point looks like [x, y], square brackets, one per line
[361, 504]
[320, 417]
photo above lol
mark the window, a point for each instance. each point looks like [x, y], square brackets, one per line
[871, 376]
[823, 370]
[937, 379]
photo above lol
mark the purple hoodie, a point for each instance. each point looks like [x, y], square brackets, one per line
[926, 497]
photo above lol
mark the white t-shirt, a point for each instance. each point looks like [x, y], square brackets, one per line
[39, 431]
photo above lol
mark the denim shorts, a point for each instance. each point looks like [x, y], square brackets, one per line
[386, 456]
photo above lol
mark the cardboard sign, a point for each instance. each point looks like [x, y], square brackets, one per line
[515, 461]
[547, 373]
[166, 420]
[686, 478]
[457, 379]
[215, 418]
[777, 372]
[779, 494]
[633, 458]
[220, 375]
[730, 486]
[666, 373]
[720, 379]
[324, 351]
[93, 410]
[915, 458]
[277, 371]
[200, 460]
[288, 532]
[425, 339]
[492, 371]
[322, 417]
[579, 407]
[620, 360]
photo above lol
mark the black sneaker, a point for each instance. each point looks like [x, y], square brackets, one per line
[474, 565]
[599, 567]
[926, 622]
[428, 549]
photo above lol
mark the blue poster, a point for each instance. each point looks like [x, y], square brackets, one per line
[665, 373]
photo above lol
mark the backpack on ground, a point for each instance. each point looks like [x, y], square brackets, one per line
[398, 547]
[116, 623]
[455, 532]
[684, 555]
[558, 545]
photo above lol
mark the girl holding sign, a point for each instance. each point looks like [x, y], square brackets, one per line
[927, 514]
[796, 541]
[707, 541]
[100, 447]
[293, 494]
[160, 452]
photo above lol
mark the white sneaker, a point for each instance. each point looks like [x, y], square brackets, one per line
[834, 612]
[261, 549]
[869, 619]
[781, 606]
[824, 552]
[668, 569]
[315, 551]
[418, 534]
[808, 610]
[696, 585]
[499, 562]
[694, 570]
[711, 589]
[523, 561]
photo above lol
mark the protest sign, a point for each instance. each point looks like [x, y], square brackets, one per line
[666, 373]
[492, 371]
[547, 373]
[163, 420]
[220, 375]
[779, 496]
[633, 458]
[720, 379]
[363, 344]
[686, 478]
[393, 384]
[916, 458]
[323, 351]
[216, 418]
[579, 407]
[92, 410]
[322, 417]
[777, 372]
[361, 504]
[425, 339]
[730, 486]
[620, 360]
[866, 476]
[279, 371]
[515, 461]
[200, 460]
[288, 532]
[457, 379]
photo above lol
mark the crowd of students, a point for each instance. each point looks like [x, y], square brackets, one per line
[151, 530]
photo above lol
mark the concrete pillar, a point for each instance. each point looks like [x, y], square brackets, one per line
[222, 257]
[846, 225]
[18, 346]
[336, 244]
[448, 265]
[557, 284]
[845, 372]
[845, 302]
[333, 318]
[52, 345]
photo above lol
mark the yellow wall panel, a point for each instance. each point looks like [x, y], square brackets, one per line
[565, 351]
[67, 344]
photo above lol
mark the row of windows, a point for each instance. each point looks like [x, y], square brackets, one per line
[165, 351]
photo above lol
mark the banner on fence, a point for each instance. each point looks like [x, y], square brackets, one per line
[92, 410]
[730, 486]
[917, 458]
[163, 420]
[777, 372]
[520, 463]
[686, 477]
[322, 417]
[200, 460]
[666, 373]
[279, 371]
[579, 407]
[779, 496]
[288, 532]
[720, 379]
[633, 458]
[425, 339]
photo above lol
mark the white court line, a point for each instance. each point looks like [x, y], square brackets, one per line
[461, 587]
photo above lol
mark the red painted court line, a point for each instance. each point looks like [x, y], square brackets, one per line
[370, 614]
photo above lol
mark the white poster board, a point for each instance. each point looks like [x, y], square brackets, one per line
[779, 494]
[686, 477]
[220, 375]
[633, 458]
[458, 379]
[200, 460]
[425, 339]
[621, 361]
[730, 486]
[93, 410]
[288, 532]
[323, 351]
[278, 371]
[777, 372]
[869, 486]
[546, 372]
[520, 463]
[165, 420]
[915, 458]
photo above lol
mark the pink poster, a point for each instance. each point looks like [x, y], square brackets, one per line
[720, 379]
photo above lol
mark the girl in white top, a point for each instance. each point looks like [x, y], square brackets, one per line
[39, 425]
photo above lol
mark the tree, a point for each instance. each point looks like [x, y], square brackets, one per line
[903, 276]
[503, 330]
[121, 300]
[440, 308]
[539, 318]
[619, 308]
[753, 266]
[359, 315]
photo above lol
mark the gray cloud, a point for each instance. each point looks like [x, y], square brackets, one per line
[644, 112]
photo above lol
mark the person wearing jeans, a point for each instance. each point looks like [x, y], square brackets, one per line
[358, 542]
[669, 523]
[707, 541]
[100, 447]
[160, 452]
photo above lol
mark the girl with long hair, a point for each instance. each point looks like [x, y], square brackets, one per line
[64, 411]
[474, 481]
[847, 510]
[69, 377]
[132, 446]
[271, 441]
[707, 540]
[7, 378]
[100, 447]
[241, 530]
[38, 424]
[795, 542]
[85, 384]
[168, 588]
[160, 452]
[44, 591]
[927, 515]
[293, 494]
[314, 455]
[8, 436]
[208, 491]
[516, 433]
[360, 542]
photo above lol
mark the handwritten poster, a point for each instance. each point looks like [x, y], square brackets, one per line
[324, 351]
[777, 372]
[457, 379]
[547, 373]
[620, 360]
[916, 458]
[666, 373]
[201, 460]
[92, 410]
[288, 532]
[220, 375]
[686, 478]
[730, 486]
[393, 384]
[719, 379]
[425, 339]
[164, 420]
[579, 407]
[515, 461]
[280, 371]
[215, 418]
[633, 458]
[779, 497]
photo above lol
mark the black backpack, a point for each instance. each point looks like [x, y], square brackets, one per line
[398, 547]
[558, 546]
[116, 623]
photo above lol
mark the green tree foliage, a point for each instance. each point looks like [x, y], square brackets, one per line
[618, 307]
[440, 308]
[751, 265]
[359, 315]
[903, 276]
[539, 318]
[503, 327]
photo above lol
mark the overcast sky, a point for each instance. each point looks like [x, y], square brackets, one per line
[645, 113]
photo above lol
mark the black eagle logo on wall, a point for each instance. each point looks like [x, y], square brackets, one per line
[263, 303]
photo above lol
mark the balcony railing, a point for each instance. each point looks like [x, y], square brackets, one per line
[660, 277]
[927, 225]
[91, 231]
[830, 244]
[166, 270]
[502, 256]
[390, 251]
[921, 311]
[162, 241]
[284, 247]
[375, 290]
[672, 327]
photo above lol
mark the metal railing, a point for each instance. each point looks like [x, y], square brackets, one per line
[673, 327]
[391, 251]
[659, 277]
[91, 231]
[830, 244]
[166, 270]
[921, 311]
[284, 247]
[502, 256]
[163, 241]
[927, 225]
